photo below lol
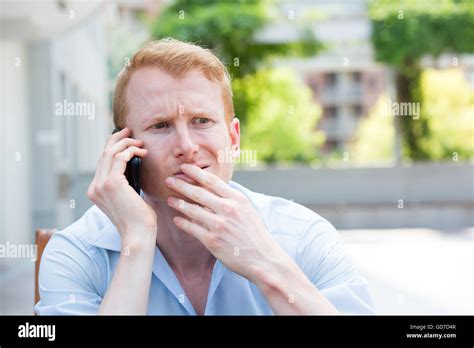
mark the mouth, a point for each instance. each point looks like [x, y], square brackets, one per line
[182, 176]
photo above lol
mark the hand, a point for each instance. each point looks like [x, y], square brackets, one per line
[226, 224]
[111, 192]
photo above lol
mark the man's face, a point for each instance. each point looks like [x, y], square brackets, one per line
[180, 121]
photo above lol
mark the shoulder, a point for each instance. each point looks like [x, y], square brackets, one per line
[80, 233]
[72, 248]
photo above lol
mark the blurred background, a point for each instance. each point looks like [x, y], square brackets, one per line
[360, 110]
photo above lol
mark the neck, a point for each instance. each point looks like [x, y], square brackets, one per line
[184, 254]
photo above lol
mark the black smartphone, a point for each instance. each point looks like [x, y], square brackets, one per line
[132, 172]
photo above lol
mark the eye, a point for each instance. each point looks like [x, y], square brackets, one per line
[160, 125]
[201, 120]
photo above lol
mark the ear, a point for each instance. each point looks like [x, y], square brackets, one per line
[234, 132]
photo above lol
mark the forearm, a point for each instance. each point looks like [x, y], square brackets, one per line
[289, 292]
[129, 288]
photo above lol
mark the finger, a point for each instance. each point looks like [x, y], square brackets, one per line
[121, 159]
[193, 211]
[115, 137]
[209, 180]
[195, 193]
[111, 140]
[110, 152]
[191, 228]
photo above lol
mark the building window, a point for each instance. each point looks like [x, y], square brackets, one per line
[330, 111]
[357, 110]
[331, 145]
[373, 82]
[356, 77]
[331, 80]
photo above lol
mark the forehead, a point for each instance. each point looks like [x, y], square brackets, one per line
[152, 90]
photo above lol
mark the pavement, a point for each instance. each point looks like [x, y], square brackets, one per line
[410, 271]
[416, 271]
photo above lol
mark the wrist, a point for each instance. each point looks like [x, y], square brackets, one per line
[138, 242]
[274, 274]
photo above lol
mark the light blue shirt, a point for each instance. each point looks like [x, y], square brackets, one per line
[78, 264]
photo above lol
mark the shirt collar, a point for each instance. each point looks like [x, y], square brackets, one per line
[104, 234]
[165, 274]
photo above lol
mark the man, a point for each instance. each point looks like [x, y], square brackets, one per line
[194, 242]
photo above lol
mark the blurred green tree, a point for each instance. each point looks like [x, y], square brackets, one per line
[282, 116]
[230, 28]
[403, 32]
[375, 136]
[448, 106]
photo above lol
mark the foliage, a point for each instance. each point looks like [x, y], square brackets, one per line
[231, 29]
[375, 135]
[449, 106]
[282, 116]
[405, 31]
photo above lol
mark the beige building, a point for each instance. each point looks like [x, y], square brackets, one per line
[346, 95]
[345, 79]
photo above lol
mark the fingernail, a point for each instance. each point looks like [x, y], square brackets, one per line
[169, 180]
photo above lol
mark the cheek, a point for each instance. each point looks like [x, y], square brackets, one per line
[223, 162]
[151, 164]
[154, 169]
[218, 145]
[217, 141]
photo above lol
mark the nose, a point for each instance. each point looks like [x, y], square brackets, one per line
[185, 146]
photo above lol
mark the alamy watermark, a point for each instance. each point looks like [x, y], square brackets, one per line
[12, 250]
[28, 330]
[68, 108]
[235, 155]
[403, 109]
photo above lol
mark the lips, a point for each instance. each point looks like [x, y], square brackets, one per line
[203, 166]
[182, 176]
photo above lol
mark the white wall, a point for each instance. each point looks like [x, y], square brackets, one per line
[80, 54]
[79, 75]
[15, 152]
[433, 195]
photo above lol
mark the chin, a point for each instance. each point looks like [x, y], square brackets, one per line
[156, 193]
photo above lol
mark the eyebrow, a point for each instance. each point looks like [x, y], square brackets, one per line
[160, 117]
